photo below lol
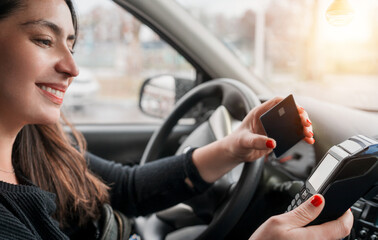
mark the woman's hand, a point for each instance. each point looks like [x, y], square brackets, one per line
[245, 144]
[249, 142]
[290, 225]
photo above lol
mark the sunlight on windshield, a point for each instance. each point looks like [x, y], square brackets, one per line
[290, 45]
[359, 29]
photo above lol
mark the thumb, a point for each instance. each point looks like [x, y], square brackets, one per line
[306, 212]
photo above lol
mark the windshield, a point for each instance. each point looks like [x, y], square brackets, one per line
[292, 47]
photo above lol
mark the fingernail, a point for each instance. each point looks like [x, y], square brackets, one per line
[312, 134]
[309, 121]
[269, 143]
[301, 108]
[316, 201]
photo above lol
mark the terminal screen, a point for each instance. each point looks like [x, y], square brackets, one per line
[323, 171]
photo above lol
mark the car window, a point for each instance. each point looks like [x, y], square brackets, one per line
[292, 47]
[116, 53]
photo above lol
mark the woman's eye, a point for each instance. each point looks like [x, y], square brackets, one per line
[45, 42]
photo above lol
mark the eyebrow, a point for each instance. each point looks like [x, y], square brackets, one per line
[52, 26]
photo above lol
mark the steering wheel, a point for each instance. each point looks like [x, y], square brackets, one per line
[236, 101]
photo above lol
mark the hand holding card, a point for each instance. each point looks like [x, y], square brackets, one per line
[283, 124]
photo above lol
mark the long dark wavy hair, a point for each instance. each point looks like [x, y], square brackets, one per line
[54, 160]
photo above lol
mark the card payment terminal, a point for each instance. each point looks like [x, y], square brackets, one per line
[347, 172]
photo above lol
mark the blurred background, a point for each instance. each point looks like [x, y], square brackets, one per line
[288, 44]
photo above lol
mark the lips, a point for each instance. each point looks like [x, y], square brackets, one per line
[53, 93]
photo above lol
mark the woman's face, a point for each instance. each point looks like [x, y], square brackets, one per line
[36, 64]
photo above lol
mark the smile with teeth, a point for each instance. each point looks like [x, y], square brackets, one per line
[53, 91]
[54, 95]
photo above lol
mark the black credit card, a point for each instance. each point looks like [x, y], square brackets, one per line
[283, 124]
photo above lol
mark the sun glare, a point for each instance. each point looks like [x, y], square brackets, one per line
[358, 30]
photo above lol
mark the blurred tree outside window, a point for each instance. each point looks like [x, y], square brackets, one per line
[116, 53]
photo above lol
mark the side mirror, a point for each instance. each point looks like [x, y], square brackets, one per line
[159, 94]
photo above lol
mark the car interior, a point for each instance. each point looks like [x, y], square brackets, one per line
[195, 112]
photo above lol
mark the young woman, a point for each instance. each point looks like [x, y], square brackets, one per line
[50, 189]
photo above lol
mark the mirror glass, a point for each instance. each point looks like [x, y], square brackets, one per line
[158, 96]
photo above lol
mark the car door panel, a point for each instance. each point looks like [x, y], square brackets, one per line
[126, 143]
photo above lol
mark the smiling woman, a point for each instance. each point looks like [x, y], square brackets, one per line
[34, 39]
[37, 39]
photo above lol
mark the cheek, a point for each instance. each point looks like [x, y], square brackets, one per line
[21, 64]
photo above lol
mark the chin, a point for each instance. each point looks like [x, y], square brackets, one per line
[52, 117]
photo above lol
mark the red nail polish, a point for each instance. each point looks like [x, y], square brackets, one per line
[316, 201]
[309, 121]
[311, 134]
[269, 143]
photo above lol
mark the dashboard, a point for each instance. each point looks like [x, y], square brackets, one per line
[365, 214]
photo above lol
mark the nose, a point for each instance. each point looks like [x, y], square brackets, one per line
[66, 64]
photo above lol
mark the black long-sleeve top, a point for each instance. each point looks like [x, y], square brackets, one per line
[26, 209]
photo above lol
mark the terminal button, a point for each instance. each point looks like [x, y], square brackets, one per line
[350, 146]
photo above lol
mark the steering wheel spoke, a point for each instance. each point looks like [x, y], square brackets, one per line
[236, 188]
